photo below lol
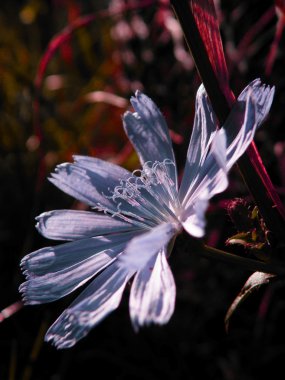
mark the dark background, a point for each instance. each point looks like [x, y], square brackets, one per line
[117, 55]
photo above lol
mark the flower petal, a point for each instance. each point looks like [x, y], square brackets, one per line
[204, 128]
[93, 182]
[142, 248]
[193, 218]
[214, 181]
[212, 175]
[54, 272]
[74, 225]
[148, 132]
[99, 299]
[239, 138]
[153, 291]
[247, 114]
[89, 180]
[263, 98]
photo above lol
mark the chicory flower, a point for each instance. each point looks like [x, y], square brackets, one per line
[136, 216]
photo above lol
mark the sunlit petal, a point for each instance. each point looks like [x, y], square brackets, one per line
[142, 248]
[237, 134]
[153, 291]
[74, 224]
[148, 132]
[89, 180]
[204, 128]
[244, 114]
[193, 218]
[143, 213]
[99, 299]
[262, 96]
[54, 272]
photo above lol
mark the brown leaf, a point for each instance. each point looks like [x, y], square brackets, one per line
[253, 283]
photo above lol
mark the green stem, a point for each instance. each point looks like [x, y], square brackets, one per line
[250, 264]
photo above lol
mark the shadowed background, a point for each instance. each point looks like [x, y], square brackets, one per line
[85, 89]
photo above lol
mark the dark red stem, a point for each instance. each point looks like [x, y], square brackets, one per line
[250, 164]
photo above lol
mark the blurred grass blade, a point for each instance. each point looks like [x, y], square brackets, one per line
[280, 12]
[55, 44]
[64, 35]
[35, 352]
[10, 310]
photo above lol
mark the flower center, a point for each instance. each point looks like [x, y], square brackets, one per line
[148, 197]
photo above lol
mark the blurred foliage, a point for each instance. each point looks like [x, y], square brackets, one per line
[85, 90]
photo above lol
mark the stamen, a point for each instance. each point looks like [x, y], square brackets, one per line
[134, 218]
[150, 192]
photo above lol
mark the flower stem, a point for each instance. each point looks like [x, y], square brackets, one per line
[250, 164]
[250, 264]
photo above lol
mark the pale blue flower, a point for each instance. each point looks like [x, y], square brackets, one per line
[136, 216]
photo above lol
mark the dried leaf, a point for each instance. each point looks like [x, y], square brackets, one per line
[242, 238]
[253, 283]
[252, 231]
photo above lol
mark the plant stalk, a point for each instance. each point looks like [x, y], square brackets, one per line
[272, 267]
[250, 164]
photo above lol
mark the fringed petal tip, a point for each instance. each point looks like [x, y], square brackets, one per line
[24, 292]
[201, 92]
[144, 105]
[34, 292]
[138, 93]
[262, 95]
[140, 325]
[58, 169]
[41, 222]
[37, 260]
[66, 331]
[25, 266]
[259, 89]
[140, 96]
[59, 343]
[97, 301]
[257, 83]
[27, 274]
[69, 329]
[130, 118]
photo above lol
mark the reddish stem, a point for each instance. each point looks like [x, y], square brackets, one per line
[274, 46]
[250, 164]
